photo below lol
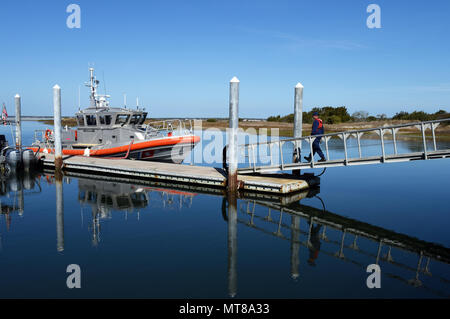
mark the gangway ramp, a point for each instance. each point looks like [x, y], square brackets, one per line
[278, 162]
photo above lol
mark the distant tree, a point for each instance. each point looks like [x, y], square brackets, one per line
[419, 116]
[401, 116]
[334, 119]
[273, 118]
[360, 116]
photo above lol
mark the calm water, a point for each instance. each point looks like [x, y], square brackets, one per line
[146, 240]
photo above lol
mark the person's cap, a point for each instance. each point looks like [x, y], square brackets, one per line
[315, 114]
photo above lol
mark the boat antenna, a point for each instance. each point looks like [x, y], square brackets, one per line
[137, 103]
[104, 82]
[125, 100]
[79, 97]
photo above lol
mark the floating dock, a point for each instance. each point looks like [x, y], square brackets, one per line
[177, 173]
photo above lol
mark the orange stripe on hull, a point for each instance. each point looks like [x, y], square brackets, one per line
[124, 148]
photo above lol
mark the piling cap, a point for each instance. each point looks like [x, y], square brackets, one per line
[234, 80]
[299, 86]
[17, 96]
[57, 87]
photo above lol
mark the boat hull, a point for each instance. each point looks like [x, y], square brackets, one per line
[173, 149]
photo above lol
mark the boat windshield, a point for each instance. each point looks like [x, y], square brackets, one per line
[80, 120]
[105, 119]
[122, 118]
[144, 116]
[135, 119]
[91, 120]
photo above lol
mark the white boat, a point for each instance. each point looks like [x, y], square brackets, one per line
[120, 132]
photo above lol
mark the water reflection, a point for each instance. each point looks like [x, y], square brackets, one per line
[315, 231]
[320, 221]
[105, 197]
[13, 188]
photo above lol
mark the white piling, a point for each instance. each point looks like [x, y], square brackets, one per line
[57, 128]
[18, 105]
[295, 246]
[298, 111]
[59, 216]
[233, 135]
[232, 245]
[298, 126]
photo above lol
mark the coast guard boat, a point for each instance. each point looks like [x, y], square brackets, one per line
[120, 132]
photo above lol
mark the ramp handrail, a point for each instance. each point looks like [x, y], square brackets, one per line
[380, 131]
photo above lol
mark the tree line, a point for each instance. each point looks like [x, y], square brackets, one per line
[336, 115]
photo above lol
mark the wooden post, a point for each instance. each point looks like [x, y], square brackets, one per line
[233, 138]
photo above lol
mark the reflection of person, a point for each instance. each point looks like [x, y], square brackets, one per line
[317, 129]
[314, 248]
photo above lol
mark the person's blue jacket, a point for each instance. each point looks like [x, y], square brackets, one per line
[317, 128]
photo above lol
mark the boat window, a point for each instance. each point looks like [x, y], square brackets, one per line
[122, 118]
[105, 119]
[123, 202]
[135, 119]
[80, 120]
[91, 120]
[144, 116]
[105, 199]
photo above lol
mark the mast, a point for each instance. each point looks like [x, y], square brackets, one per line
[93, 84]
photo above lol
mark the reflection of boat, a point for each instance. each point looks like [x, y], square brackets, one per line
[120, 132]
[104, 197]
[12, 159]
[17, 185]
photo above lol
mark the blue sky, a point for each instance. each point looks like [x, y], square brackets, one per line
[178, 56]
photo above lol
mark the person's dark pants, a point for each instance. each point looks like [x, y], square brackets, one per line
[316, 148]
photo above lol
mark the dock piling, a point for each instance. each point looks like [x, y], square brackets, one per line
[18, 104]
[59, 216]
[232, 245]
[57, 128]
[233, 138]
[298, 119]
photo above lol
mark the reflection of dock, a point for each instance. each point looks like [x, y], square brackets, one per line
[167, 186]
[275, 222]
[282, 217]
[175, 173]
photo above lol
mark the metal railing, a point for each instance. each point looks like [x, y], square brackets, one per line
[249, 150]
[162, 128]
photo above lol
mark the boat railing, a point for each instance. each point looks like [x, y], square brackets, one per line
[164, 127]
[44, 136]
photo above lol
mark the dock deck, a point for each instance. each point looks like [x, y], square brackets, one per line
[176, 173]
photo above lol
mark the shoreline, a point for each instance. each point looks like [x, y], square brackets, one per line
[286, 129]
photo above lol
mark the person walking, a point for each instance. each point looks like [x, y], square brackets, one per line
[317, 129]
